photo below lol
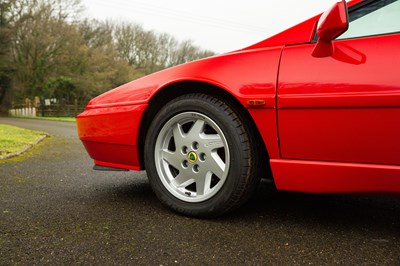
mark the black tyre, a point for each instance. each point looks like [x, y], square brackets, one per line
[199, 156]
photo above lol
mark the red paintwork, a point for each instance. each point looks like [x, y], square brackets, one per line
[329, 124]
[109, 134]
[333, 23]
[252, 83]
[331, 177]
[336, 109]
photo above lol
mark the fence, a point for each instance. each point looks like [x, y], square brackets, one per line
[46, 107]
[29, 112]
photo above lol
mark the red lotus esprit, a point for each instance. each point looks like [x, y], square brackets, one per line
[315, 108]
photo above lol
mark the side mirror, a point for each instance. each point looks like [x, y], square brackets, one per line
[332, 23]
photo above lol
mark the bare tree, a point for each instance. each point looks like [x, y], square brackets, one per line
[148, 51]
[6, 67]
[47, 50]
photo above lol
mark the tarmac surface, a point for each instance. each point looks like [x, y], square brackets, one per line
[56, 210]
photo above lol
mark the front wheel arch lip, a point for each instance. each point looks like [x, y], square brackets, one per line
[172, 91]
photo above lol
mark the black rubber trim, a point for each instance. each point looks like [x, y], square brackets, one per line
[106, 168]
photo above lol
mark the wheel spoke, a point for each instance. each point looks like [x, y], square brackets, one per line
[197, 129]
[183, 180]
[171, 158]
[216, 165]
[178, 134]
[203, 184]
[212, 142]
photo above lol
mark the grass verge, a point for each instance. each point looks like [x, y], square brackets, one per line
[65, 119]
[15, 140]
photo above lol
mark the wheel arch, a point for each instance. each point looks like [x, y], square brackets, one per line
[172, 91]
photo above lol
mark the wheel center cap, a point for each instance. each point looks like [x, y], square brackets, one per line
[192, 157]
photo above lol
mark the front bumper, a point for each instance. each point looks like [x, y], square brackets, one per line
[110, 135]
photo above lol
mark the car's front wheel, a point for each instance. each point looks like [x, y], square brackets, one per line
[200, 157]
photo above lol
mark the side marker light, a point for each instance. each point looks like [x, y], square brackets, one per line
[256, 103]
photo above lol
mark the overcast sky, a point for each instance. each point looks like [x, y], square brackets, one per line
[220, 26]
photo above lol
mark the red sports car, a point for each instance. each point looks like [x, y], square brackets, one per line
[315, 108]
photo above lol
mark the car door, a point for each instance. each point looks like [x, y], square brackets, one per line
[345, 107]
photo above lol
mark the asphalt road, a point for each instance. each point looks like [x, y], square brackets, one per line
[55, 210]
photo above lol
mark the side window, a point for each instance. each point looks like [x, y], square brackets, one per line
[379, 17]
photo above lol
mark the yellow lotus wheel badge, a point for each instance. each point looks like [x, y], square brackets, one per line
[192, 157]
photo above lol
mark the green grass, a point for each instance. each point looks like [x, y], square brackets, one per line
[14, 139]
[66, 119]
